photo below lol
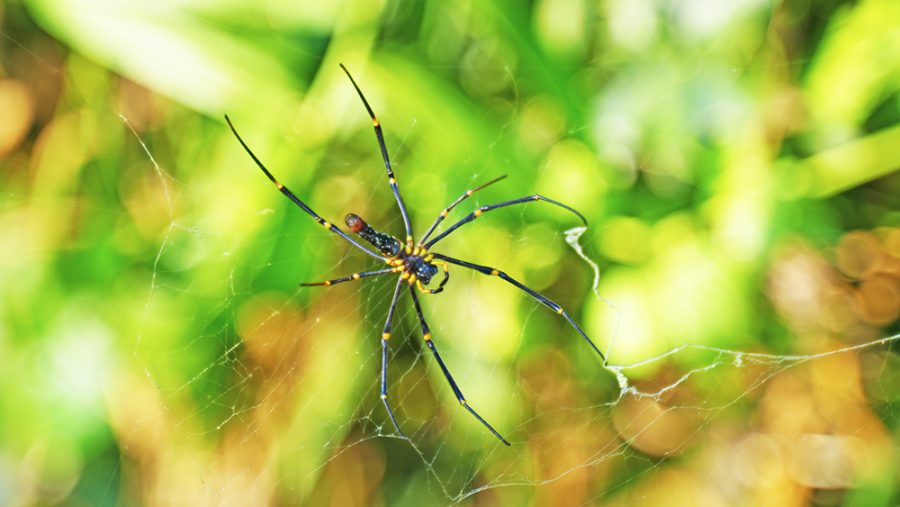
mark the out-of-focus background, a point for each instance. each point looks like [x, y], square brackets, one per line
[737, 162]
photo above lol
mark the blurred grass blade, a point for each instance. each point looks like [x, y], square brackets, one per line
[170, 50]
[846, 166]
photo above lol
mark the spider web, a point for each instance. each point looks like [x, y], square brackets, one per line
[572, 421]
[241, 386]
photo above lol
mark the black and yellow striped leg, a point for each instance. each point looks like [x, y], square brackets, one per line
[448, 209]
[535, 295]
[483, 209]
[354, 276]
[426, 333]
[384, 154]
[385, 336]
[290, 195]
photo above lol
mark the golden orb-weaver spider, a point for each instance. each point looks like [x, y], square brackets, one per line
[414, 261]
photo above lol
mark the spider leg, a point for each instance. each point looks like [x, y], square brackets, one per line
[385, 336]
[478, 212]
[486, 270]
[384, 154]
[354, 276]
[459, 395]
[290, 195]
[448, 209]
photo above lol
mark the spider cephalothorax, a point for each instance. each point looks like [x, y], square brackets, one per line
[414, 262]
[419, 268]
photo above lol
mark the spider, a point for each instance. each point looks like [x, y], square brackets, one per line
[414, 262]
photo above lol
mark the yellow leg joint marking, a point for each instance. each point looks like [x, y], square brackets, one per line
[427, 337]
[355, 276]
[412, 279]
[326, 225]
[560, 311]
[444, 214]
[428, 258]
[495, 273]
[469, 192]
[279, 185]
[416, 250]
[397, 262]
[405, 275]
[383, 396]
[385, 336]
[326, 283]
[478, 212]
[537, 198]
[392, 181]
[462, 402]
[375, 122]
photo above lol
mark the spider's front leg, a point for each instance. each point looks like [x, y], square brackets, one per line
[392, 179]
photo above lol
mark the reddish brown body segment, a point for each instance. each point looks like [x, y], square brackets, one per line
[355, 223]
[388, 244]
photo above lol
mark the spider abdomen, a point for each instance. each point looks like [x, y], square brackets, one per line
[388, 244]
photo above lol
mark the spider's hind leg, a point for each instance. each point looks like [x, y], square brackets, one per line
[459, 395]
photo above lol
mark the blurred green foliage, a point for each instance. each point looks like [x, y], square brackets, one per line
[737, 162]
